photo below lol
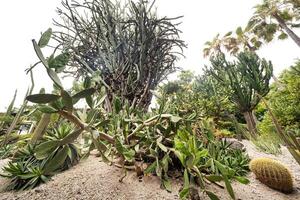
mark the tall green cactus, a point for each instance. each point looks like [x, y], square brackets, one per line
[8, 111]
[41, 128]
[246, 77]
[20, 112]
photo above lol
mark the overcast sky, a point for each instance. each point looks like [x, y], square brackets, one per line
[22, 21]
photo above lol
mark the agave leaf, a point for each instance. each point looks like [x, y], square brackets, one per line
[229, 187]
[184, 193]
[87, 154]
[242, 180]
[180, 156]
[153, 153]
[42, 98]
[200, 154]
[186, 179]
[102, 123]
[71, 137]
[44, 178]
[190, 161]
[67, 100]
[26, 176]
[223, 169]
[186, 187]
[45, 148]
[214, 178]
[45, 38]
[211, 195]
[58, 159]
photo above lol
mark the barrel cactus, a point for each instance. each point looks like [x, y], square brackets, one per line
[272, 173]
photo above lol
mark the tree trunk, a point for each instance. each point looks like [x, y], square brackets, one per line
[251, 123]
[283, 25]
[41, 127]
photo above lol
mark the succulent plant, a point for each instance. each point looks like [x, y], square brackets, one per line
[272, 173]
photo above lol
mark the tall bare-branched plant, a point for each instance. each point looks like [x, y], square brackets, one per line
[128, 44]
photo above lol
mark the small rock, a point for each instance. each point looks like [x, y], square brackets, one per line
[38, 190]
[235, 144]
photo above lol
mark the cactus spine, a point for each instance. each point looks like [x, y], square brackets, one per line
[272, 173]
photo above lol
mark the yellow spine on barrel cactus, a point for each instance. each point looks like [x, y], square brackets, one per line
[273, 174]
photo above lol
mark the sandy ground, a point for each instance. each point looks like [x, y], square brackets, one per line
[256, 190]
[92, 179]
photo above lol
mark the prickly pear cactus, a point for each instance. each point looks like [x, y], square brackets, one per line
[273, 174]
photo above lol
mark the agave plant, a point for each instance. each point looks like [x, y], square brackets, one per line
[58, 134]
[6, 151]
[24, 174]
[34, 164]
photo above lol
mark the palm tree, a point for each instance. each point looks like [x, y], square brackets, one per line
[242, 40]
[274, 17]
[213, 47]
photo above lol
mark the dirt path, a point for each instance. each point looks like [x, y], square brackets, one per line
[93, 180]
